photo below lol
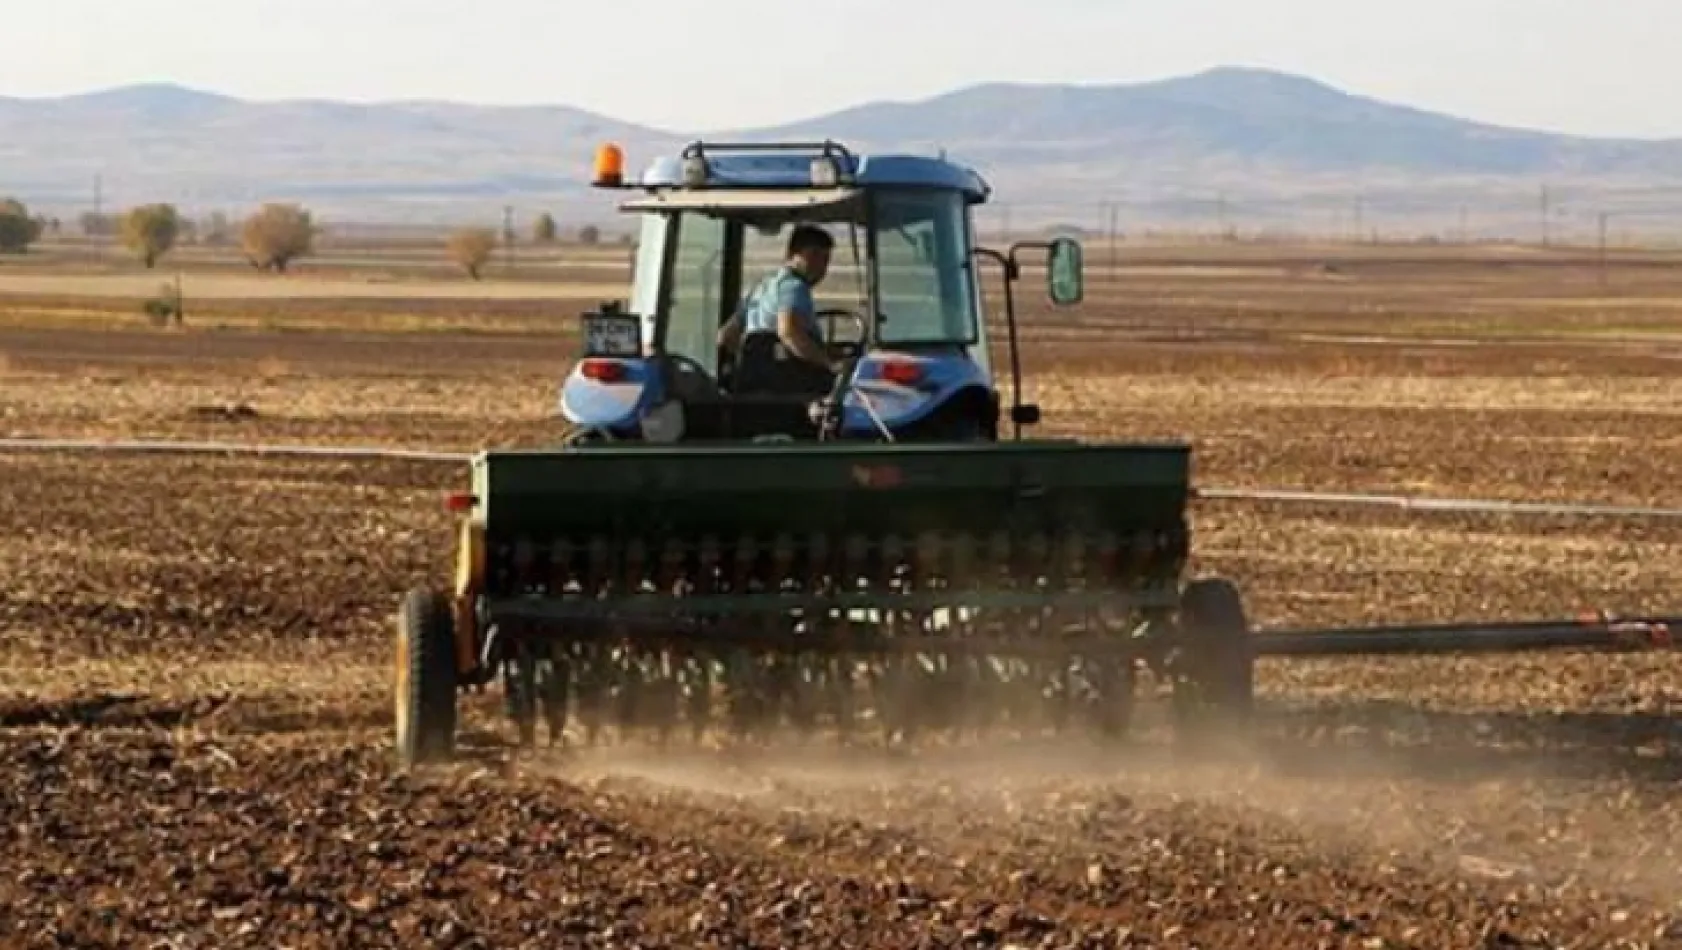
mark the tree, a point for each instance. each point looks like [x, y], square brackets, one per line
[18, 229]
[545, 230]
[150, 231]
[276, 235]
[472, 249]
[589, 234]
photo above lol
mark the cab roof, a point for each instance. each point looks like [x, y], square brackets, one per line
[792, 202]
[790, 172]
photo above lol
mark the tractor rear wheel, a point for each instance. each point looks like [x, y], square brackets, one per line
[1215, 691]
[426, 679]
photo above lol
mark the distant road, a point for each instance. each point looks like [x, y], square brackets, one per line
[260, 287]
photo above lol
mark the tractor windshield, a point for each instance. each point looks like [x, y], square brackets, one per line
[926, 293]
[923, 268]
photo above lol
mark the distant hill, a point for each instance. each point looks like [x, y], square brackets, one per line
[1268, 147]
[398, 160]
[1244, 116]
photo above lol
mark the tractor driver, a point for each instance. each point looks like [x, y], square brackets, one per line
[775, 332]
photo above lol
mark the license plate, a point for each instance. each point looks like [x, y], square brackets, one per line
[613, 336]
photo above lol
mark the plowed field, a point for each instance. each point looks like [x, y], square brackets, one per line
[194, 663]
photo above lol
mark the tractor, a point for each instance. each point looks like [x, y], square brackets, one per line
[877, 561]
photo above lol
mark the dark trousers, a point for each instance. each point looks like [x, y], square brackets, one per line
[766, 366]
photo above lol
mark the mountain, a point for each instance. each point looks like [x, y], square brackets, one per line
[1273, 146]
[200, 150]
[1244, 116]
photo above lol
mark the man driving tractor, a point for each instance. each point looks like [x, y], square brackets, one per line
[774, 335]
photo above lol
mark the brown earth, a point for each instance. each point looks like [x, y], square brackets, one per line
[194, 666]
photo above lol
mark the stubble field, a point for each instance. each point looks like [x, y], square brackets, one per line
[194, 650]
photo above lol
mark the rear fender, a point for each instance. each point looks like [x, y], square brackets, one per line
[464, 596]
[942, 378]
[610, 405]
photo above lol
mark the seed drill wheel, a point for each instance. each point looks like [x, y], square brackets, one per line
[1214, 691]
[426, 679]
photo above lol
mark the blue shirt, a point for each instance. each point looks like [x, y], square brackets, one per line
[782, 290]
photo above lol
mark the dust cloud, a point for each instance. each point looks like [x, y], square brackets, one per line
[1520, 824]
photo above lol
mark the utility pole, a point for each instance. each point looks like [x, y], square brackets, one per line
[98, 215]
[1115, 215]
[1545, 230]
[1602, 255]
[508, 235]
[1360, 210]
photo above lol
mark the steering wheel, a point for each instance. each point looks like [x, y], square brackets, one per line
[843, 350]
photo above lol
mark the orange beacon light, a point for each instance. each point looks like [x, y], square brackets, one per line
[610, 166]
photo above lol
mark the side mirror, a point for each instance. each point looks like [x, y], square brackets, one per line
[1063, 272]
[1027, 414]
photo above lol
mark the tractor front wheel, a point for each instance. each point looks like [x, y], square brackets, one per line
[425, 679]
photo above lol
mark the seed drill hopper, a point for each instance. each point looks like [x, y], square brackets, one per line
[874, 562]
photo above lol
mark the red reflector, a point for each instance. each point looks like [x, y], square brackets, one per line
[459, 501]
[603, 371]
[905, 374]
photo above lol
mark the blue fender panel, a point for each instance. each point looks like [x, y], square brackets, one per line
[615, 405]
[899, 404]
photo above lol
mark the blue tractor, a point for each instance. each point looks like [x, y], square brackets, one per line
[902, 309]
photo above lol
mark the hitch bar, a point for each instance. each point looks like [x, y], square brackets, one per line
[1631, 634]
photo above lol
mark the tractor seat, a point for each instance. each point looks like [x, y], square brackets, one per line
[765, 367]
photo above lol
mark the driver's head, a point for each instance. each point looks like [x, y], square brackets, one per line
[808, 251]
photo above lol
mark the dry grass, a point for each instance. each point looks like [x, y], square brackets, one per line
[1404, 292]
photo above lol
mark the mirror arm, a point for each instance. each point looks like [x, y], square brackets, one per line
[1013, 271]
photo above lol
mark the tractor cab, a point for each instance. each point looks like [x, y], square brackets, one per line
[901, 307]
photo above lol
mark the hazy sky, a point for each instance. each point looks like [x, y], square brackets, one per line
[1588, 66]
